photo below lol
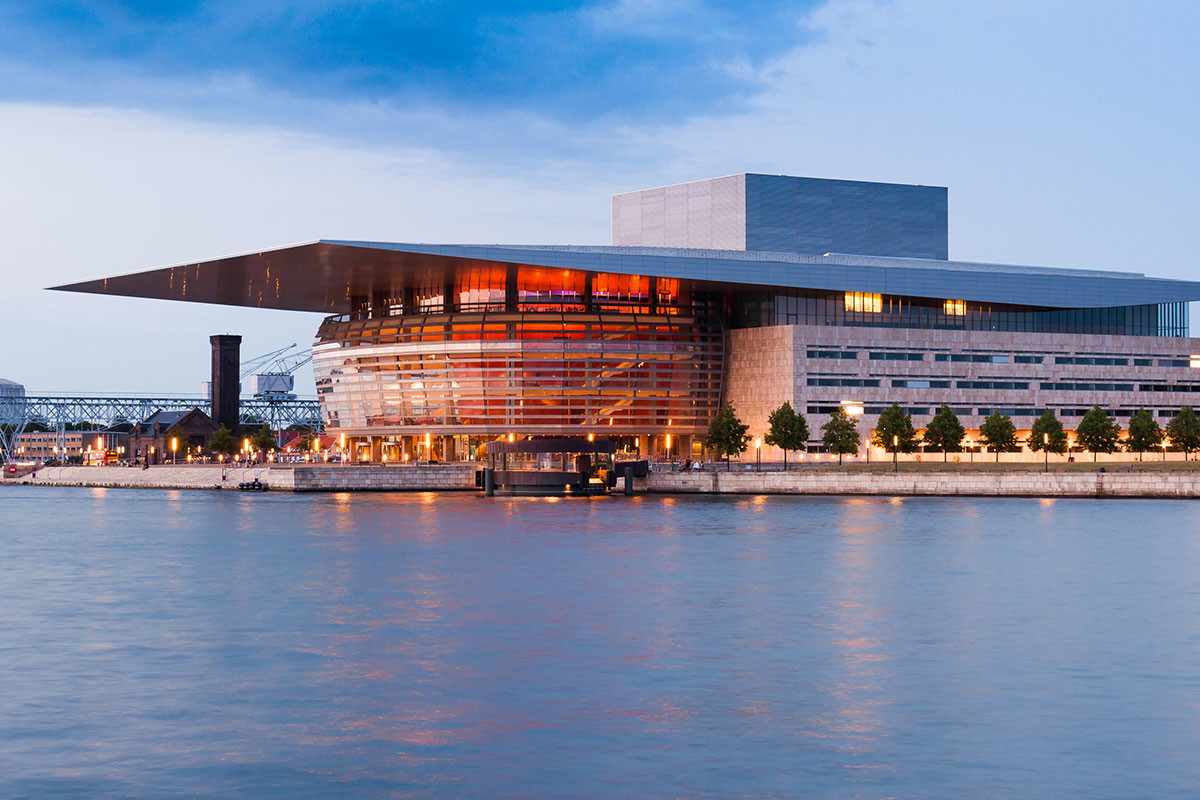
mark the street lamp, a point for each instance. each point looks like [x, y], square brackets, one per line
[1165, 442]
[758, 453]
[895, 452]
[1046, 451]
[174, 451]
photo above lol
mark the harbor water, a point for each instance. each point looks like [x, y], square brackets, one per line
[212, 644]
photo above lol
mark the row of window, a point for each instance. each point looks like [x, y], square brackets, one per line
[991, 358]
[866, 309]
[918, 411]
[1055, 386]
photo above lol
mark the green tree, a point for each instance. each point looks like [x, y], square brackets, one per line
[895, 431]
[1144, 433]
[1097, 432]
[1047, 433]
[727, 434]
[788, 430]
[1184, 430]
[223, 441]
[998, 433]
[264, 439]
[182, 440]
[944, 432]
[840, 434]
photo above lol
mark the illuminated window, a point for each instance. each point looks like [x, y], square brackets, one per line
[1194, 362]
[864, 301]
[957, 308]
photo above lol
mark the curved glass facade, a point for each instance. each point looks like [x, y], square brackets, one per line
[546, 372]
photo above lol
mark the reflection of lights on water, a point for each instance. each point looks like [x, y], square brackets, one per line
[895, 501]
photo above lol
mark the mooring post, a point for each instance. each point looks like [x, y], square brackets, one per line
[629, 480]
[489, 482]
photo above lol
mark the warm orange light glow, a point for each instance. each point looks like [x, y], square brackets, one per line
[174, 444]
[758, 443]
[591, 437]
[668, 441]
[864, 301]
[956, 308]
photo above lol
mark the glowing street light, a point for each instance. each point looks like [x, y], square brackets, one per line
[758, 454]
[895, 452]
[174, 451]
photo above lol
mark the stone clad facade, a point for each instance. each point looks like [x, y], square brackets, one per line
[973, 372]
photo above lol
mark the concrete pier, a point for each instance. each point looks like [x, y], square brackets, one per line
[929, 484]
[277, 477]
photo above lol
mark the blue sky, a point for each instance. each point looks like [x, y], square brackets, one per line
[629, 62]
[139, 134]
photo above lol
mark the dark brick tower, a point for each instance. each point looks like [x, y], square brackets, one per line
[226, 383]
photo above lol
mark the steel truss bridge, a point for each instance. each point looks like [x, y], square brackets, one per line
[57, 412]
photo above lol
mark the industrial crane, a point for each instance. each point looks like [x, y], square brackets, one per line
[248, 367]
[276, 379]
[272, 373]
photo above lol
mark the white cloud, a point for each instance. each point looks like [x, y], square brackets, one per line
[90, 193]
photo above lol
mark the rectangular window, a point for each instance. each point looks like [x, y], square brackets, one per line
[1027, 359]
[955, 308]
[864, 301]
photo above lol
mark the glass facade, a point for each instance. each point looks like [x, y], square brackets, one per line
[810, 307]
[532, 372]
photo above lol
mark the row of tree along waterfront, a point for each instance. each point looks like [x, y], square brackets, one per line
[1096, 433]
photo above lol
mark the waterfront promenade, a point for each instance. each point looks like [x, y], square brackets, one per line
[1178, 480]
[276, 477]
[1147, 479]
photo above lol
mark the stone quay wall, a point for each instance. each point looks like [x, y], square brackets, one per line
[277, 477]
[349, 478]
[933, 484]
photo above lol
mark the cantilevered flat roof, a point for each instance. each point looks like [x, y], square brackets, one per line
[323, 275]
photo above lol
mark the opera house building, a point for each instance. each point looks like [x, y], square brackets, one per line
[747, 289]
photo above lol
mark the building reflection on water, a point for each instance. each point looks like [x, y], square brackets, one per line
[452, 645]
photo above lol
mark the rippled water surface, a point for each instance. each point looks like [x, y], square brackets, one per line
[205, 644]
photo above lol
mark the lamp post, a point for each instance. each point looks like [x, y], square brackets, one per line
[758, 454]
[1046, 452]
[174, 451]
[896, 452]
[1165, 441]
